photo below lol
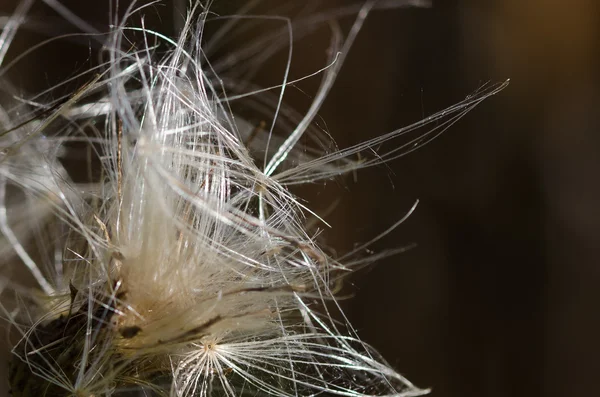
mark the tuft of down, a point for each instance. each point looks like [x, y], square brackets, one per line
[183, 266]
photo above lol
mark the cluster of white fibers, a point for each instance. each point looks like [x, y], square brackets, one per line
[183, 265]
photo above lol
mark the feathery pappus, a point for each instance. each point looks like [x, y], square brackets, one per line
[176, 259]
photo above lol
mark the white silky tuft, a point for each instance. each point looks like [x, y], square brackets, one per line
[184, 267]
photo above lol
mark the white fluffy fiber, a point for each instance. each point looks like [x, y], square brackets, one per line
[187, 255]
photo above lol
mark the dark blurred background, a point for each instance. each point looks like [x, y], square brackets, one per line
[500, 295]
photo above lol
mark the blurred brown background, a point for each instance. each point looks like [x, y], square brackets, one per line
[499, 298]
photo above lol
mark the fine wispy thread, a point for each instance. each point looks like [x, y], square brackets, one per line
[183, 264]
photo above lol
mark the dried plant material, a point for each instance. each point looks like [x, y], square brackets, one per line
[183, 265]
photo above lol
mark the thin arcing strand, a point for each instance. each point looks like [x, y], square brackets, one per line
[10, 28]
